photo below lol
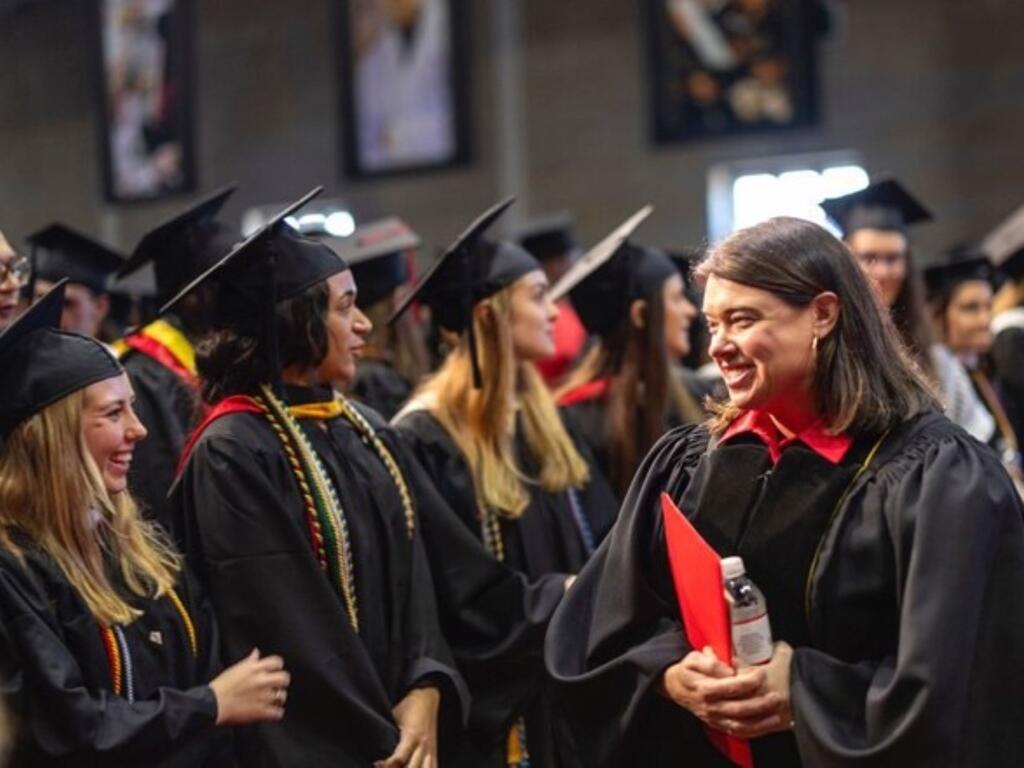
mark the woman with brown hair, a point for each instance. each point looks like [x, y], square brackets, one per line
[874, 526]
[490, 436]
[626, 392]
[108, 654]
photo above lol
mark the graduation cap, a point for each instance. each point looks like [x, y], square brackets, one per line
[59, 251]
[685, 259]
[885, 205]
[43, 364]
[613, 274]
[1005, 245]
[273, 264]
[376, 254]
[185, 245]
[549, 238]
[470, 270]
[965, 263]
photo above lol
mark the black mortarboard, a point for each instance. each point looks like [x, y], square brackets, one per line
[43, 364]
[470, 270]
[885, 205]
[185, 245]
[1005, 245]
[612, 275]
[685, 259]
[273, 264]
[551, 238]
[59, 251]
[965, 262]
[376, 254]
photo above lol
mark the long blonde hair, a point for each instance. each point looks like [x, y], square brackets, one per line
[482, 422]
[52, 492]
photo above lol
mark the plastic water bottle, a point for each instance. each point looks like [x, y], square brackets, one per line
[751, 631]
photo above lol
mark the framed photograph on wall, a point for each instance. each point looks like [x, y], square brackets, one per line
[727, 67]
[144, 56]
[404, 89]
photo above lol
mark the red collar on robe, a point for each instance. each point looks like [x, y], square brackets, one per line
[592, 390]
[168, 346]
[830, 447]
[233, 404]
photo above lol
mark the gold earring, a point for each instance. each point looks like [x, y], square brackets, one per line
[814, 344]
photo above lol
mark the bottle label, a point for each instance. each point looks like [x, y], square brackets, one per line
[752, 640]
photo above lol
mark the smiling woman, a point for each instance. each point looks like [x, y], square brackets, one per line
[107, 647]
[871, 523]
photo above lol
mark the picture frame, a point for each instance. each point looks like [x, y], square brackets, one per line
[144, 75]
[723, 68]
[404, 86]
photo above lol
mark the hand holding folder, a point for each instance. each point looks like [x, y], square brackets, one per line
[697, 575]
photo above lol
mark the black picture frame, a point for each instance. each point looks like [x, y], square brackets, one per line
[143, 56]
[385, 74]
[721, 68]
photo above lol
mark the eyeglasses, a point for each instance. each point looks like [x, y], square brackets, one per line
[19, 268]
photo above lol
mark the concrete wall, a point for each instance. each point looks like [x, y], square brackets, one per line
[932, 90]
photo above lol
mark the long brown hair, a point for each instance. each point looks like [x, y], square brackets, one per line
[52, 493]
[482, 421]
[399, 343]
[866, 380]
[909, 316]
[643, 392]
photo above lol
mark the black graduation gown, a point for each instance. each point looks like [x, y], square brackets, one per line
[56, 677]
[166, 404]
[1008, 358]
[544, 544]
[245, 529]
[381, 387]
[904, 630]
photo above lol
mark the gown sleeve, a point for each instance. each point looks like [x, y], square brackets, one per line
[44, 685]
[949, 522]
[619, 627]
[256, 561]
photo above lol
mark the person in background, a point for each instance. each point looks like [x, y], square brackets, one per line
[873, 525]
[395, 356]
[553, 243]
[160, 356]
[490, 437]
[875, 223]
[109, 653]
[1005, 247]
[960, 300]
[299, 518]
[15, 271]
[625, 393]
[58, 252]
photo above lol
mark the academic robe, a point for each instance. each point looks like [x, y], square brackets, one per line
[56, 677]
[1008, 358]
[166, 403]
[379, 386]
[244, 527]
[545, 543]
[901, 588]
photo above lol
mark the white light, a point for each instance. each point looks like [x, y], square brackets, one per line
[340, 224]
[842, 180]
[312, 222]
[292, 222]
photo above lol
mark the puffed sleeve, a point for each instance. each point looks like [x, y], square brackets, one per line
[943, 521]
[619, 627]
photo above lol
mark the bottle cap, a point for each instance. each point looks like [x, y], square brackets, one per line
[732, 567]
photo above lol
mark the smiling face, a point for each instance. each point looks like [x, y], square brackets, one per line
[347, 329]
[13, 279]
[968, 321]
[882, 256]
[111, 429]
[679, 316]
[532, 317]
[763, 346]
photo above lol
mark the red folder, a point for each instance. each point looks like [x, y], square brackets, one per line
[697, 574]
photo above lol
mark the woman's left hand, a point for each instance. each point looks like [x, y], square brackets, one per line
[776, 717]
[416, 715]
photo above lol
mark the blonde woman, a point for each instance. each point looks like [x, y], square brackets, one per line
[489, 434]
[107, 653]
